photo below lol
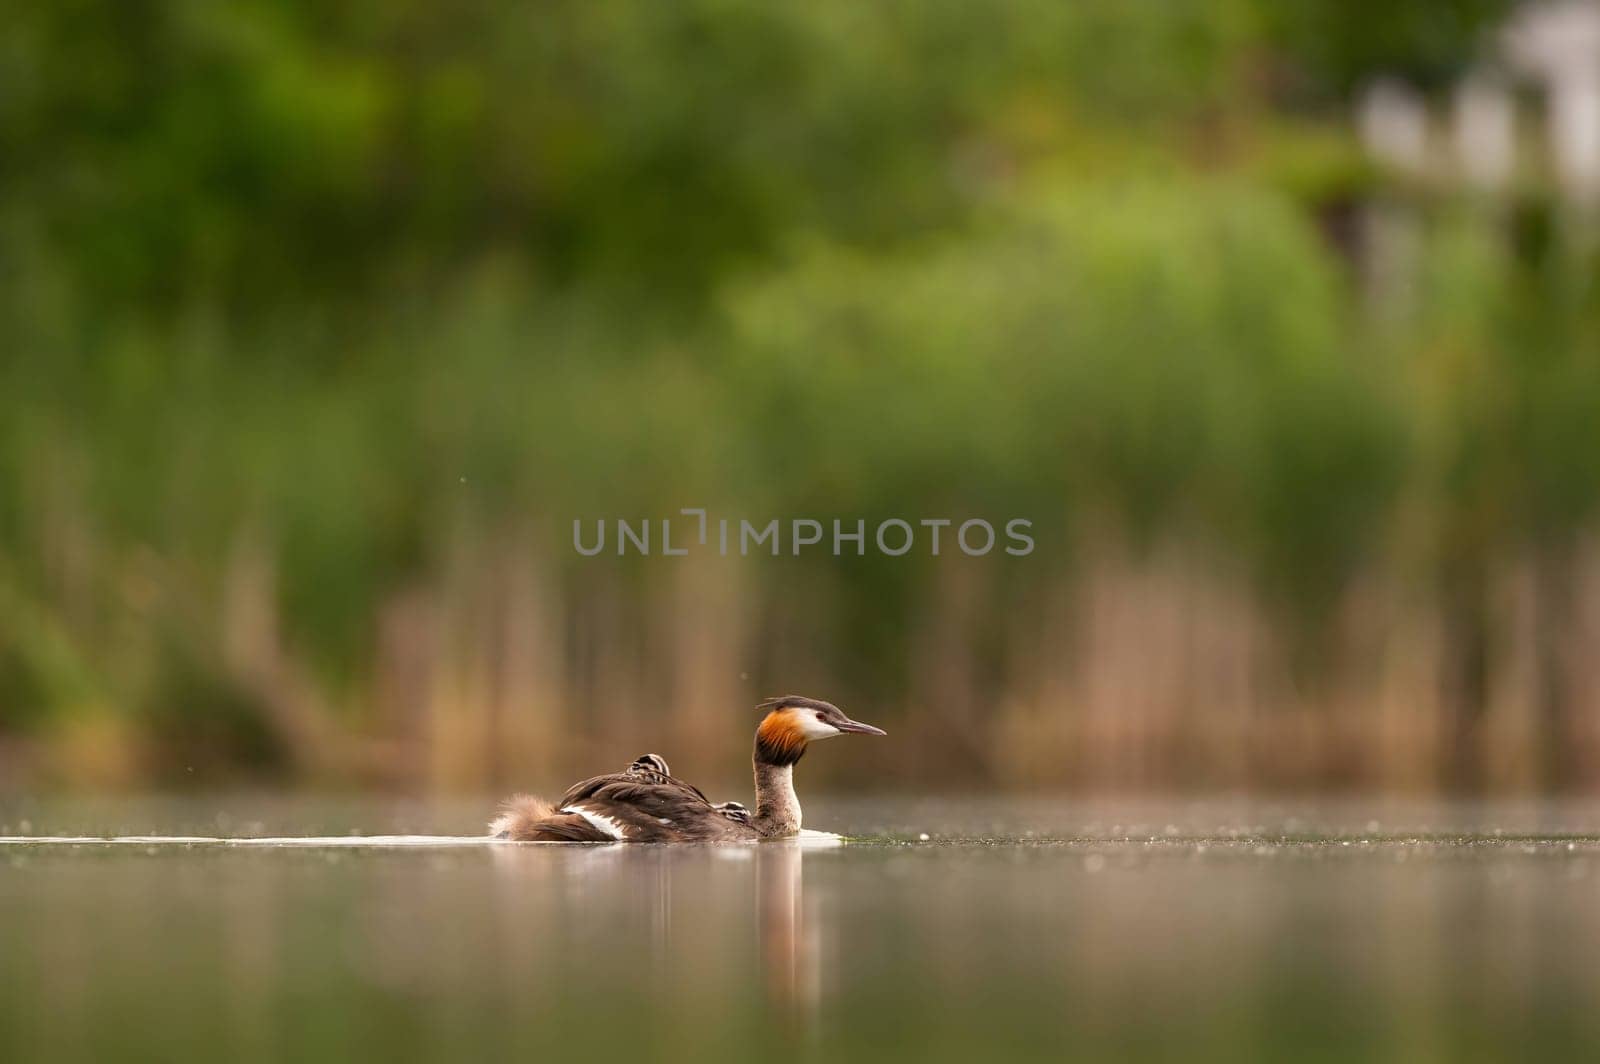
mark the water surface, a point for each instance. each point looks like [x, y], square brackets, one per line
[1142, 930]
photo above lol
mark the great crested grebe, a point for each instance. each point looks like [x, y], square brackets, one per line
[648, 804]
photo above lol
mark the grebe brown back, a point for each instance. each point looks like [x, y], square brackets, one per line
[646, 803]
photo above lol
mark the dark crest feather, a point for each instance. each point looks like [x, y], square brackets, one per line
[798, 701]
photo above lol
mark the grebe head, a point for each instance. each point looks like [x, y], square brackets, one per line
[792, 723]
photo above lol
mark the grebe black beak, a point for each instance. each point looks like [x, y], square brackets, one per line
[858, 728]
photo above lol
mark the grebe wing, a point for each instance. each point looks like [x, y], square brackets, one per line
[653, 768]
[634, 785]
[648, 807]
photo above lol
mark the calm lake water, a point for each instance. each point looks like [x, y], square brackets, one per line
[1130, 930]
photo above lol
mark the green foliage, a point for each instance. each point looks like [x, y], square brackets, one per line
[1336, 44]
[1171, 350]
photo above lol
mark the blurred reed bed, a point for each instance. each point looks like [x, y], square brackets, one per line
[324, 324]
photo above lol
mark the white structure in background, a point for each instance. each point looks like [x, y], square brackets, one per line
[1558, 45]
[1393, 123]
[1551, 44]
[1485, 131]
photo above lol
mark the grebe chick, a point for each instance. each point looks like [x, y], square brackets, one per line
[647, 803]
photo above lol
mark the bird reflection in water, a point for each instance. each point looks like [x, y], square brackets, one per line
[686, 902]
[789, 932]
